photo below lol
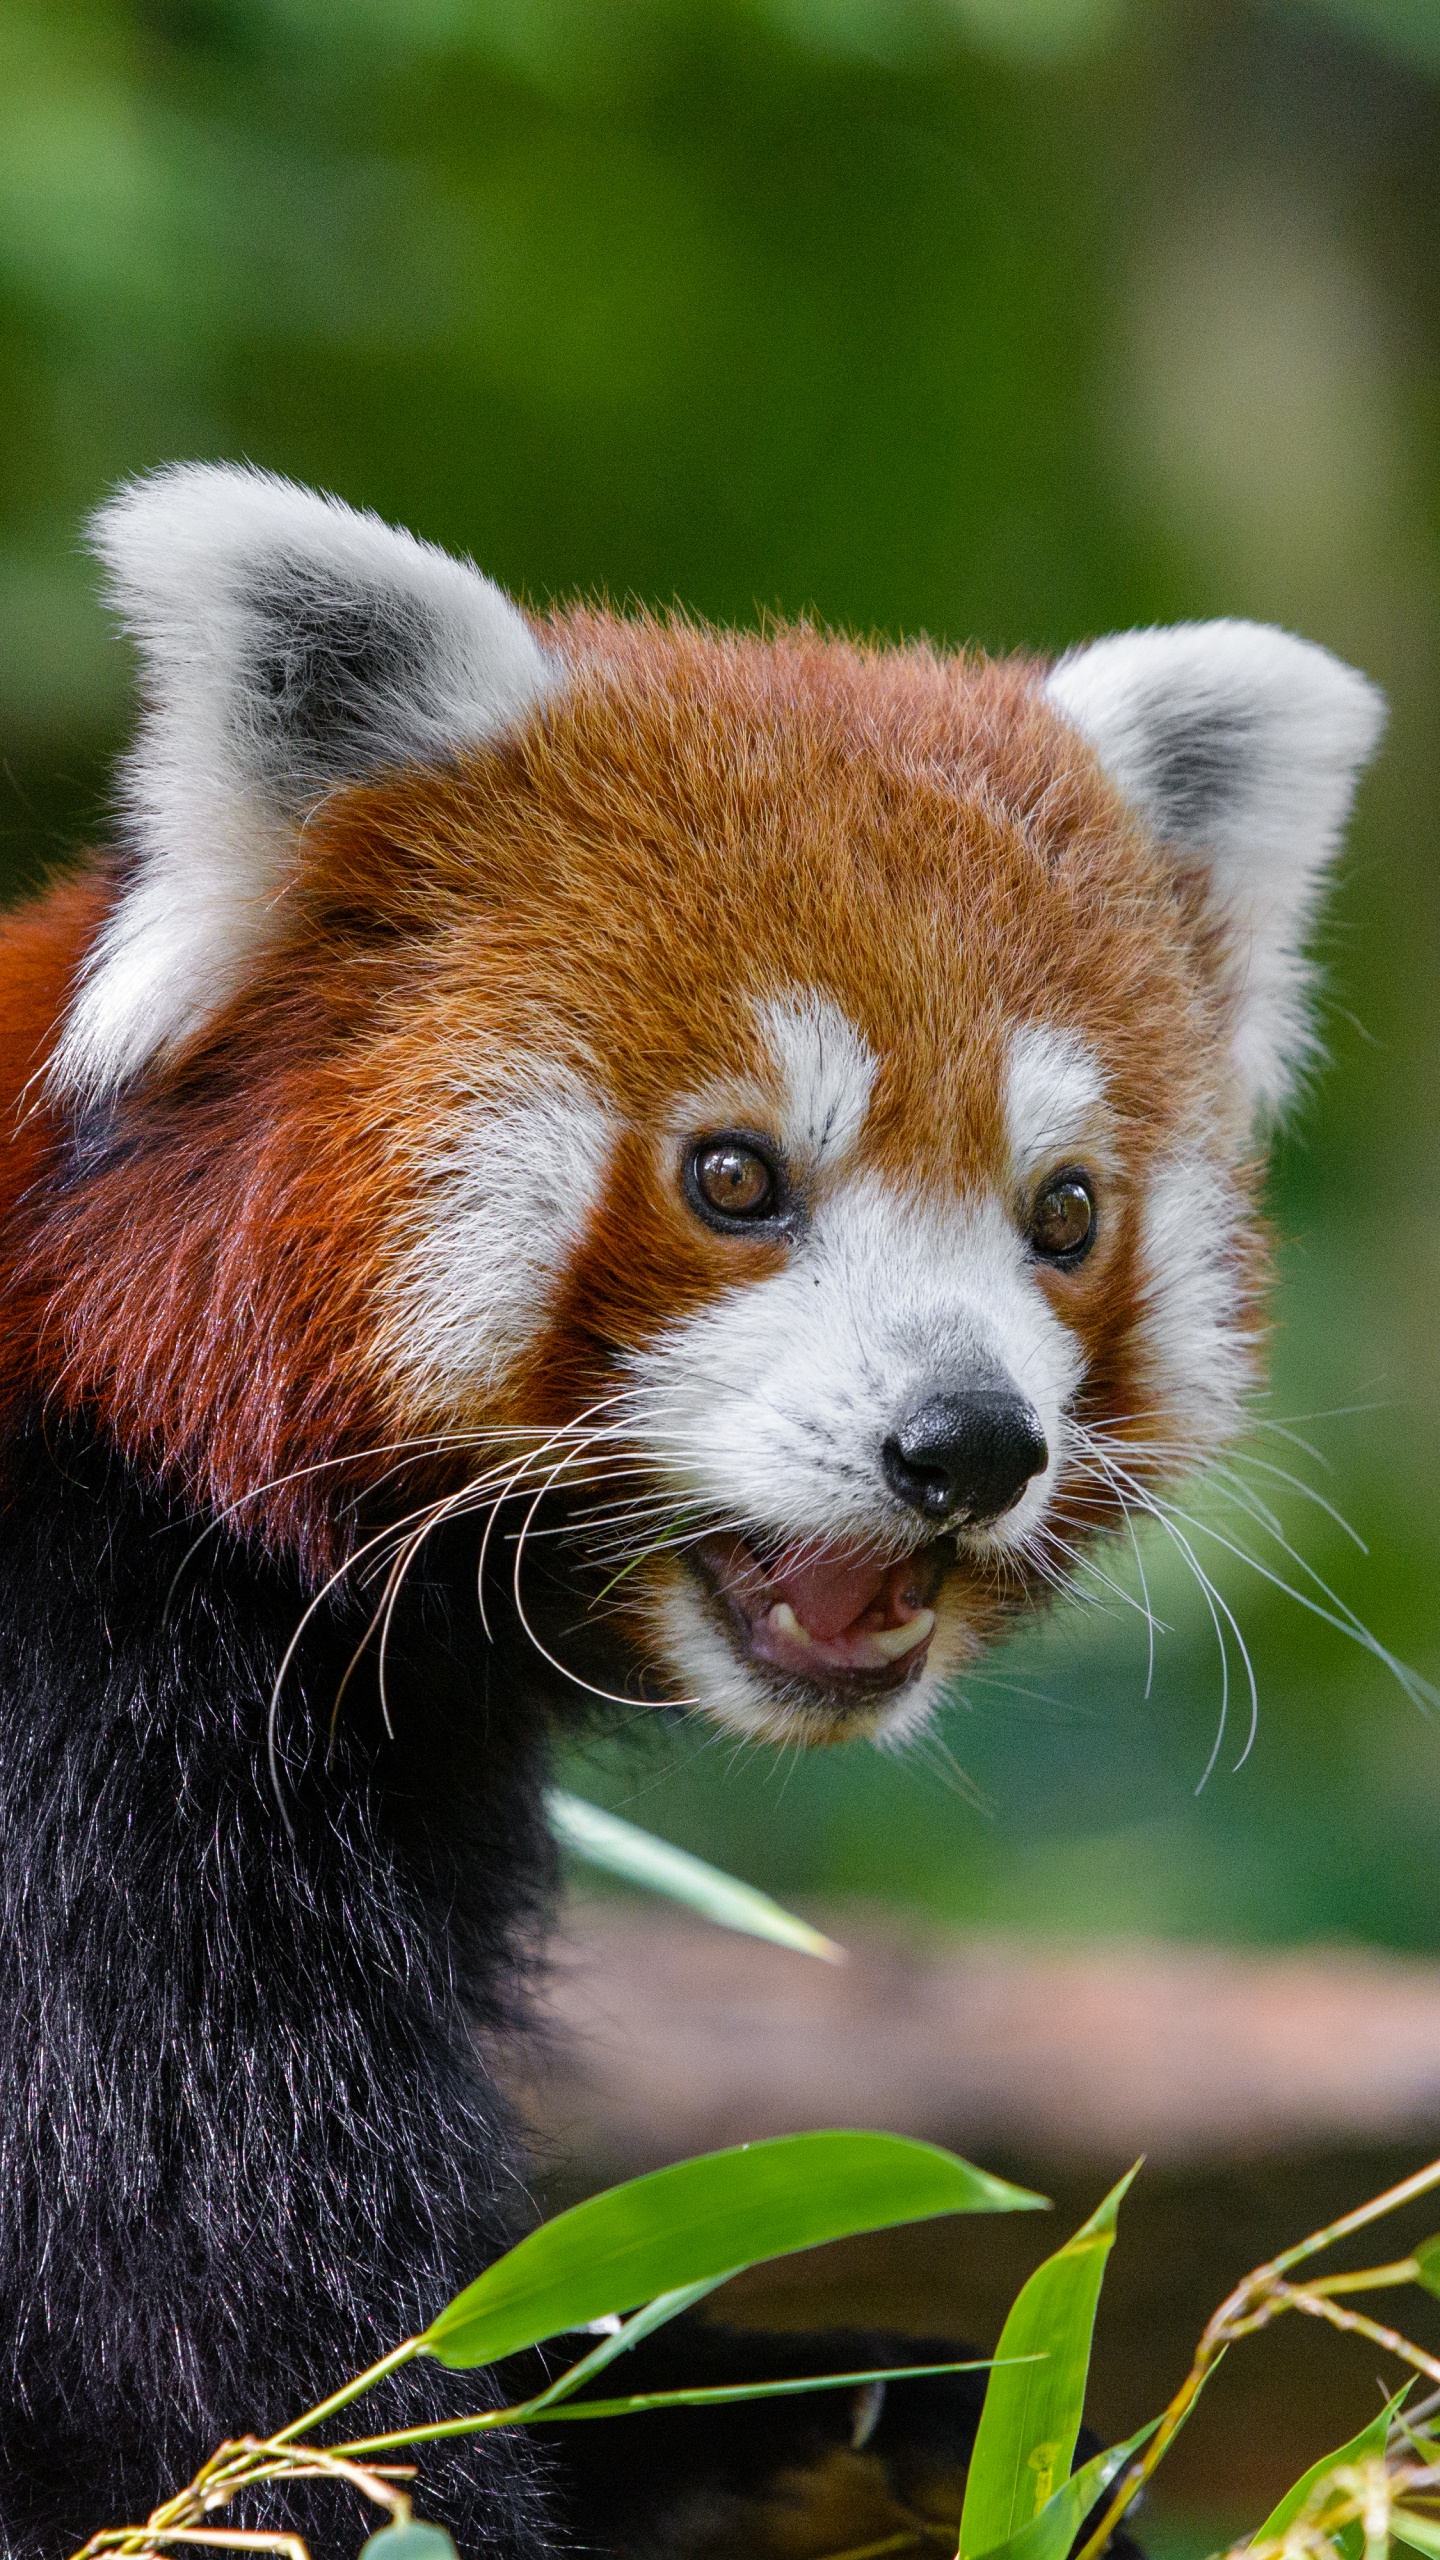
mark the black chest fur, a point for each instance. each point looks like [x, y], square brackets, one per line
[248, 2136]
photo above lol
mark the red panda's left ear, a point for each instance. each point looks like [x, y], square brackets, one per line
[288, 646]
[1241, 746]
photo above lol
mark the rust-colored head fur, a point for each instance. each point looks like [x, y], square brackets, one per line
[779, 1111]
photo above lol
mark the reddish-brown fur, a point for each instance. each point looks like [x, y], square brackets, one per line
[695, 821]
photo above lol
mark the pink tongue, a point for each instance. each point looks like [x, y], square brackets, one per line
[827, 1592]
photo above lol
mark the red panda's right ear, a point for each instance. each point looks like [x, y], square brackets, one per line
[1241, 746]
[288, 645]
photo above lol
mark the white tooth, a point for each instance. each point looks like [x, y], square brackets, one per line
[891, 1642]
[782, 1621]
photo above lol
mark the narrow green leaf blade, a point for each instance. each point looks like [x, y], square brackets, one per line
[678, 2226]
[1049, 2535]
[1025, 2442]
[642, 2324]
[713, 2394]
[1421, 2532]
[1366, 2447]
[623, 1849]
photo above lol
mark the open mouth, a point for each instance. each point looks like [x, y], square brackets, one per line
[829, 1615]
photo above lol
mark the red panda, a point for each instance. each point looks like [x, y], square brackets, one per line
[561, 1158]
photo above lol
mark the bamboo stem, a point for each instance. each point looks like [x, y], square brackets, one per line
[341, 2399]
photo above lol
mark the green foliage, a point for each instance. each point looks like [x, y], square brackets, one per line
[1032, 2412]
[722, 2394]
[1368, 2446]
[710, 2216]
[409, 2540]
[653, 2315]
[624, 1850]
[1050, 2534]
[696, 2223]
[1422, 2533]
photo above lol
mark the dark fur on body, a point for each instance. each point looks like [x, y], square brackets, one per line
[247, 2137]
[249, 2134]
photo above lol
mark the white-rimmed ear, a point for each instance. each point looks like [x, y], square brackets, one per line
[287, 645]
[1242, 747]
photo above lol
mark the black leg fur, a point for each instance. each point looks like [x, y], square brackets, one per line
[248, 2136]
[246, 2142]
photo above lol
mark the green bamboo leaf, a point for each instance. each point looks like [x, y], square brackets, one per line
[1421, 2532]
[1050, 2535]
[1366, 2447]
[643, 2324]
[623, 1849]
[714, 2393]
[703, 2218]
[1427, 2264]
[413, 2540]
[1025, 2442]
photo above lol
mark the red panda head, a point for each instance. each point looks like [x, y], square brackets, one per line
[781, 1110]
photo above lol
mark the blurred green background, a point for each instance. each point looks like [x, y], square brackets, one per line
[1005, 320]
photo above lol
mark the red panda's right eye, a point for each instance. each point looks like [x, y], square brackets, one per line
[732, 1179]
[1062, 1224]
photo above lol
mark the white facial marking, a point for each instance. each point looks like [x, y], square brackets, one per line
[500, 1199]
[288, 645]
[827, 1069]
[1054, 1090]
[1198, 1357]
[1241, 746]
[770, 1407]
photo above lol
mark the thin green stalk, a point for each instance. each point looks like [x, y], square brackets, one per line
[1368, 2279]
[1300, 2298]
[1408, 2189]
[408, 2349]
[641, 2324]
[474, 2424]
[542, 2410]
[717, 2394]
[1133, 2480]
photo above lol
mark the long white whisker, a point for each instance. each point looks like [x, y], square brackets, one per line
[1085, 1561]
[427, 1516]
[608, 1695]
[396, 1450]
[1298, 1485]
[604, 1405]
[1215, 1602]
[311, 1610]
[1339, 1615]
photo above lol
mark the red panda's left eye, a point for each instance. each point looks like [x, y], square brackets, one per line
[733, 1181]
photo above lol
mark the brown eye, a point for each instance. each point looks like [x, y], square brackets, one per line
[1062, 1228]
[732, 1179]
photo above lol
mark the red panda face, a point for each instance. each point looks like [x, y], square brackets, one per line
[799, 1120]
[780, 1112]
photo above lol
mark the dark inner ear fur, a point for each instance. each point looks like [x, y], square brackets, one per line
[334, 682]
[1199, 768]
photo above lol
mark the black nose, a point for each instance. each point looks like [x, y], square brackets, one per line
[965, 1457]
